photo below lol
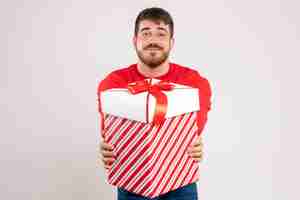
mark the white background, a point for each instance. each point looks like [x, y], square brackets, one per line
[54, 53]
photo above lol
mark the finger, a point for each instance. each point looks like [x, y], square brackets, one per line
[108, 153]
[198, 143]
[196, 155]
[195, 149]
[106, 146]
[198, 159]
[107, 160]
[107, 166]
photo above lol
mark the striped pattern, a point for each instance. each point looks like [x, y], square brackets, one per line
[152, 161]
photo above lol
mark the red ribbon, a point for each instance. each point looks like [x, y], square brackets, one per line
[155, 90]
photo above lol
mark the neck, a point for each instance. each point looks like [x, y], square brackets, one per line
[153, 72]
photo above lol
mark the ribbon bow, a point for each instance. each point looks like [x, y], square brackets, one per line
[155, 90]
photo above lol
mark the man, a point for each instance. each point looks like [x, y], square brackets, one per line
[153, 40]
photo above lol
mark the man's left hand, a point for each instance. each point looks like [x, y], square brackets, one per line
[196, 150]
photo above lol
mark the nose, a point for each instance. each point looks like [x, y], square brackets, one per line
[154, 45]
[154, 39]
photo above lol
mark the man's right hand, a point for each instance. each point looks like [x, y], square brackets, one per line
[106, 153]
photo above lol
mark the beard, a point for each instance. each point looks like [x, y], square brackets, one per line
[153, 58]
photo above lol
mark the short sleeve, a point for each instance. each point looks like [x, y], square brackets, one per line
[112, 80]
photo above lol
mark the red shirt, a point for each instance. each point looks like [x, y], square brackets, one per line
[177, 74]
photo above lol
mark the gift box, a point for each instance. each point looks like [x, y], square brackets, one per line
[151, 123]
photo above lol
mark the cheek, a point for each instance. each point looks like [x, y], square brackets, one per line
[168, 44]
[140, 45]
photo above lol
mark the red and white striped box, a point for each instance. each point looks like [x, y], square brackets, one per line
[151, 160]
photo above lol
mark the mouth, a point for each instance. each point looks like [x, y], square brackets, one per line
[153, 49]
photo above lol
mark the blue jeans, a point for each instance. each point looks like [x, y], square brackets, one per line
[188, 192]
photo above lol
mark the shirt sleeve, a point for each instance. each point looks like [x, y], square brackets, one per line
[112, 80]
[204, 97]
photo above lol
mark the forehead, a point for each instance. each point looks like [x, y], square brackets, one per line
[150, 24]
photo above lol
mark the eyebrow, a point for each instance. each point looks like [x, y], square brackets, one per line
[159, 28]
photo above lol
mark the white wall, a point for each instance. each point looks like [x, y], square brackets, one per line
[53, 54]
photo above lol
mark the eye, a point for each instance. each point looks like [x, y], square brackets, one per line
[145, 34]
[162, 34]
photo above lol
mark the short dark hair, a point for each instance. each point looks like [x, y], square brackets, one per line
[154, 14]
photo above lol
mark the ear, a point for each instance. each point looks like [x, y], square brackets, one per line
[134, 39]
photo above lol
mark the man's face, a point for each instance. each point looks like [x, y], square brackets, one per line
[153, 42]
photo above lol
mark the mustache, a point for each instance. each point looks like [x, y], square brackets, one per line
[153, 46]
